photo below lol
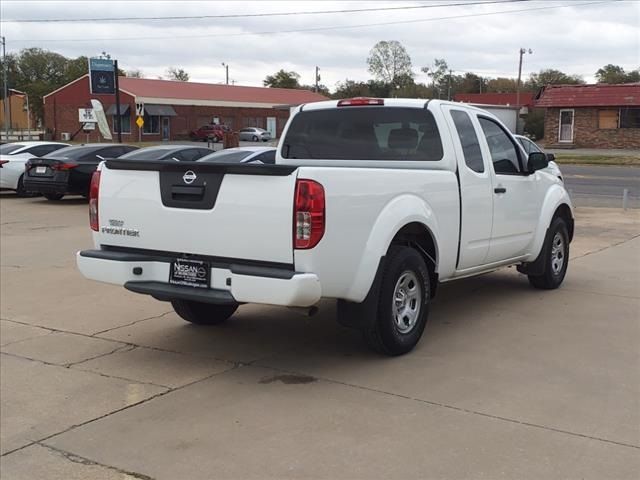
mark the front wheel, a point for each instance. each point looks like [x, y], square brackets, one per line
[402, 303]
[203, 313]
[556, 257]
[54, 197]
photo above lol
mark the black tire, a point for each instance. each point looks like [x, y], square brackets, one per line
[20, 190]
[255, 139]
[203, 313]
[556, 256]
[391, 333]
[54, 197]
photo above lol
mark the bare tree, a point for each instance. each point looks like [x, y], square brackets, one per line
[389, 61]
[135, 73]
[177, 74]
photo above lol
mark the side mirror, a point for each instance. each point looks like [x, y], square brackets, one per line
[537, 161]
[551, 157]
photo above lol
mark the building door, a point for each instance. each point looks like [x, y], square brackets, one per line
[566, 126]
[271, 126]
[166, 133]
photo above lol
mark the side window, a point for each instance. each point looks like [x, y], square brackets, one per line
[531, 147]
[524, 144]
[504, 153]
[468, 140]
[266, 157]
[112, 152]
[42, 150]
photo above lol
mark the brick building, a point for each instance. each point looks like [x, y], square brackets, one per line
[173, 108]
[591, 116]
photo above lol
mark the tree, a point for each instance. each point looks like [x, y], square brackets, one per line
[135, 73]
[282, 79]
[177, 74]
[551, 76]
[502, 85]
[388, 61]
[615, 74]
[439, 75]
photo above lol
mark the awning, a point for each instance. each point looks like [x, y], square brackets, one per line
[160, 110]
[124, 108]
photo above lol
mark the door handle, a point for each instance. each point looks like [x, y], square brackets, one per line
[500, 190]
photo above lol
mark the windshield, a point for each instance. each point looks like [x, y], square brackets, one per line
[234, 156]
[7, 148]
[149, 154]
[364, 133]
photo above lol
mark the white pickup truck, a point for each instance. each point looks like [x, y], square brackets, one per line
[372, 202]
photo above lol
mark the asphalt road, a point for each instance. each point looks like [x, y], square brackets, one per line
[602, 185]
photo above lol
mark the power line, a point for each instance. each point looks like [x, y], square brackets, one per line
[315, 29]
[247, 15]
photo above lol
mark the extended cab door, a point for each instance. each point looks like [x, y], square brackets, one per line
[517, 197]
[476, 190]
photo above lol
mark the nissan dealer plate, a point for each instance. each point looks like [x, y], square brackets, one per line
[190, 273]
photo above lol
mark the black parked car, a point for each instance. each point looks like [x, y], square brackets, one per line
[68, 171]
[179, 153]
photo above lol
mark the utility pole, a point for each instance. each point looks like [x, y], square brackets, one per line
[5, 100]
[449, 89]
[522, 52]
[226, 67]
[317, 78]
[118, 117]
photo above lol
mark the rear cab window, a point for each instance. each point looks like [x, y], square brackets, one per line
[364, 133]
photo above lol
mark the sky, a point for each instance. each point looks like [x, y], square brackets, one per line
[578, 37]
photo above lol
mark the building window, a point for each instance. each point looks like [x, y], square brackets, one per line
[125, 123]
[630, 118]
[607, 119]
[151, 124]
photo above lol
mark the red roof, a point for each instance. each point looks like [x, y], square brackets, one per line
[526, 98]
[170, 89]
[598, 95]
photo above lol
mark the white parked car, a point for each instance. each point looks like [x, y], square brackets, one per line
[242, 155]
[254, 134]
[373, 202]
[14, 156]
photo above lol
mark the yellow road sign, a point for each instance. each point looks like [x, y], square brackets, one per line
[140, 122]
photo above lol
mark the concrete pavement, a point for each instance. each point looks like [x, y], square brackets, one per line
[508, 382]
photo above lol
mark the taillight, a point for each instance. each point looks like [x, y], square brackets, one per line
[308, 214]
[63, 166]
[360, 101]
[2, 162]
[94, 192]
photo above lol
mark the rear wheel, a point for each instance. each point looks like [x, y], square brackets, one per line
[402, 303]
[255, 139]
[556, 257]
[20, 190]
[203, 313]
[54, 196]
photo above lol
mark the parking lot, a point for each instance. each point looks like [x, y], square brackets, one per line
[507, 382]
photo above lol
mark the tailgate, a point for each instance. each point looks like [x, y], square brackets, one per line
[227, 211]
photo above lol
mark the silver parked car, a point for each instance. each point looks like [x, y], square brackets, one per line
[254, 134]
[242, 155]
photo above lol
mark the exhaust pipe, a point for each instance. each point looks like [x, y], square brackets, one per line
[306, 311]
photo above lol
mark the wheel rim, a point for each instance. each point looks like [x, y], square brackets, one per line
[557, 254]
[407, 301]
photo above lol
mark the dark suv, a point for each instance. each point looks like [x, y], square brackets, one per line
[206, 132]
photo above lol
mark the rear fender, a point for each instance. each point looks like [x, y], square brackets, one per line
[556, 196]
[399, 212]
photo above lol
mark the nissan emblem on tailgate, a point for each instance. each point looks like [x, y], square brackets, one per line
[189, 177]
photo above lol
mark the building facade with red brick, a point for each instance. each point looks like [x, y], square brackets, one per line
[172, 109]
[591, 116]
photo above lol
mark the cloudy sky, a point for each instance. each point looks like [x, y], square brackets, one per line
[575, 36]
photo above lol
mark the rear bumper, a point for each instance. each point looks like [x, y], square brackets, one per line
[229, 283]
[45, 187]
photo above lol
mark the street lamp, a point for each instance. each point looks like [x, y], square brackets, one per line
[226, 67]
[522, 52]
